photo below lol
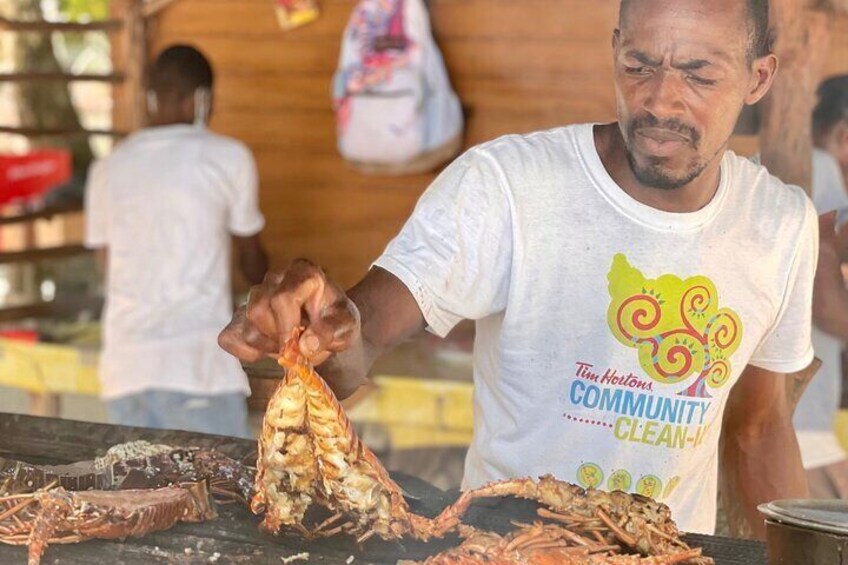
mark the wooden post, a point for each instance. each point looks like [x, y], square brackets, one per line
[45, 404]
[802, 38]
[801, 32]
[129, 57]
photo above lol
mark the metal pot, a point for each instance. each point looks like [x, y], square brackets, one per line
[806, 532]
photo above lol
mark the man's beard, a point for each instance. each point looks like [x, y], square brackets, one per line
[654, 174]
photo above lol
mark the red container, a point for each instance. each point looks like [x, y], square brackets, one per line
[25, 176]
[28, 336]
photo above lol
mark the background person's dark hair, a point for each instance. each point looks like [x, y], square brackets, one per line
[832, 106]
[179, 70]
[759, 44]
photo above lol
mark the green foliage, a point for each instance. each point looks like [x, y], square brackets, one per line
[85, 10]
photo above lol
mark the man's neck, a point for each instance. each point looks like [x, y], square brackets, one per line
[688, 198]
[163, 119]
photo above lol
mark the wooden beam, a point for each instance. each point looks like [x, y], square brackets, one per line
[7, 24]
[66, 77]
[153, 7]
[802, 42]
[129, 52]
[46, 253]
[43, 132]
[43, 213]
[67, 307]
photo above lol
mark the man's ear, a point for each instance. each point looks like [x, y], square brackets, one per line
[842, 134]
[764, 69]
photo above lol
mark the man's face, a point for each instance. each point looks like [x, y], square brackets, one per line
[682, 77]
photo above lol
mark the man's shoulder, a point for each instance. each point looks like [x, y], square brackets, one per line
[533, 140]
[218, 143]
[777, 206]
[538, 150]
[766, 189]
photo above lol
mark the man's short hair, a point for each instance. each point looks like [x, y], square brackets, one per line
[180, 70]
[832, 106]
[759, 42]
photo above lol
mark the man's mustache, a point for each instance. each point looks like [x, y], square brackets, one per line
[670, 124]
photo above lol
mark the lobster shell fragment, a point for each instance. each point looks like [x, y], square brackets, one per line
[59, 516]
[134, 465]
[542, 544]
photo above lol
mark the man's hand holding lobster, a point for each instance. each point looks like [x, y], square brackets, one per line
[300, 295]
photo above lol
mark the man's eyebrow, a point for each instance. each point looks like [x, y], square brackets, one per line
[692, 65]
[645, 59]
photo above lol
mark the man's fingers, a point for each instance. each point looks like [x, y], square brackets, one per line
[258, 310]
[301, 295]
[243, 340]
[304, 289]
[341, 321]
[287, 309]
[255, 339]
[335, 330]
[230, 341]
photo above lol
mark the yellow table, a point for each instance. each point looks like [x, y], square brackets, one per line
[841, 426]
[47, 370]
[415, 413]
[418, 413]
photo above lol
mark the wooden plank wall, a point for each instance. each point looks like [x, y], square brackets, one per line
[518, 66]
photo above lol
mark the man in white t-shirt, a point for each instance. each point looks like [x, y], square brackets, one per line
[624, 279]
[164, 209]
[824, 458]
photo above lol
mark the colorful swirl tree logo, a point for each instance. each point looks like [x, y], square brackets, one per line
[675, 325]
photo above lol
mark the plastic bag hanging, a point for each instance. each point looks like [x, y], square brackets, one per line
[396, 111]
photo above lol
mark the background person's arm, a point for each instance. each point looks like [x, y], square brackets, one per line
[252, 257]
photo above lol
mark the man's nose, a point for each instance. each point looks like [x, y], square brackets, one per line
[665, 95]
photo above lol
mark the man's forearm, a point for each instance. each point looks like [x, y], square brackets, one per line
[347, 371]
[760, 466]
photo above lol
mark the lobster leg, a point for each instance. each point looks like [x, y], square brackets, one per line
[55, 508]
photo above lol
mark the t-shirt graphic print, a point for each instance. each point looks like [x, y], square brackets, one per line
[684, 339]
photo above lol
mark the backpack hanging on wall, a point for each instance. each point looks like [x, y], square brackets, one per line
[396, 112]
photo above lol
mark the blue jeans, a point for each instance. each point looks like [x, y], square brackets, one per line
[221, 414]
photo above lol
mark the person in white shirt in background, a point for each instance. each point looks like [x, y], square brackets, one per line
[823, 457]
[163, 211]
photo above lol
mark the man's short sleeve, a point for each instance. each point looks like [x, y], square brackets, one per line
[96, 207]
[245, 217]
[828, 186]
[455, 252]
[787, 347]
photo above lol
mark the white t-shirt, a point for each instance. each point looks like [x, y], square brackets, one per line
[816, 412]
[609, 333]
[165, 204]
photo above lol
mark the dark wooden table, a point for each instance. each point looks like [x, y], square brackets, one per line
[234, 537]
